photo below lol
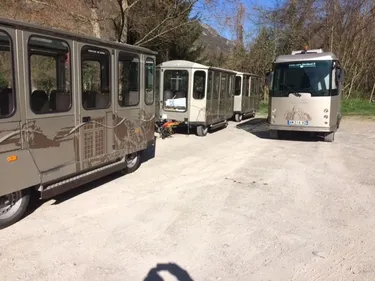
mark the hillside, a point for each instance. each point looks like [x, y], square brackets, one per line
[214, 42]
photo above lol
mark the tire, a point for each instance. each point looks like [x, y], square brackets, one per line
[133, 161]
[330, 137]
[274, 134]
[238, 117]
[10, 214]
[202, 131]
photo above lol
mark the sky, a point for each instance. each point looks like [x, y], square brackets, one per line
[215, 15]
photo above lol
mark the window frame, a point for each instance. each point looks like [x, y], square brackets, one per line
[204, 84]
[29, 73]
[135, 55]
[210, 82]
[188, 72]
[153, 81]
[94, 47]
[12, 61]
[235, 85]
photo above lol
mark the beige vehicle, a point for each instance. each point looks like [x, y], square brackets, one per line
[246, 95]
[72, 109]
[197, 95]
[305, 93]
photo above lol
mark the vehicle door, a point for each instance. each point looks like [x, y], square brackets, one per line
[230, 96]
[157, 94]
[127, 103]
[216, 98]
[209, 96]
[147, 115]
[252, 94]
[96, 113]
[223, 94]
[50, 125]
[10, 118]
[246, 95]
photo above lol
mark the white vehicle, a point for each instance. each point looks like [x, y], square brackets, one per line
[246, 95]
[199, 96]
[305, 93]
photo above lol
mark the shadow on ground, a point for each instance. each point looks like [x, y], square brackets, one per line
[259, 128]
[172, 268]
[35, 202]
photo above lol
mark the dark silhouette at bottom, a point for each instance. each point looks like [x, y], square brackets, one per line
[172, 268]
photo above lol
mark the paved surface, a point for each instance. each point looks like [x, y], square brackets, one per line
[231, 206]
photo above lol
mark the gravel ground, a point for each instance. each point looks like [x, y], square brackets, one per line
[233, 205]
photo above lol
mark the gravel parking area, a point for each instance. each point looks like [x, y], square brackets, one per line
[233, 205]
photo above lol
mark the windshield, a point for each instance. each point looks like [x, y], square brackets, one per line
[175, 89]
[302, 77]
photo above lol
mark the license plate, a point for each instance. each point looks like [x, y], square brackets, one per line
[295, 122]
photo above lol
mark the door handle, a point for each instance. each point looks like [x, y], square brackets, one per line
[86, 119]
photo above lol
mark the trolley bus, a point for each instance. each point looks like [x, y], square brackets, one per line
[305, 93]
[247, 95]
[72, 109]
[198, 96]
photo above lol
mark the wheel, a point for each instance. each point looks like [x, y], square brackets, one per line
[238, 117]
[274, 134]
[13, 206]
[202, 131]
[330, 137]
[132, 161]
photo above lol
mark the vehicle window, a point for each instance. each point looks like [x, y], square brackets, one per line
[216, 85]
[95, 69]
[231, 86]
[305, 76]
[224, 87]
[175, 89]
[49, 67]
[209, 85]
[238, 86]
[253, 86]
[199, 84]
[128, 83]
[245, 86]
[149, 81]
[157, 87]
[7, 94]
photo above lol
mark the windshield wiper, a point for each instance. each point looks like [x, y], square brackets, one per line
[294, 92]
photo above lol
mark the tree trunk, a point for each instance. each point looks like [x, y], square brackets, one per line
[372, 92]
[94, 19]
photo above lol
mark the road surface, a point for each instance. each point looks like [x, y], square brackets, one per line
[233, 205]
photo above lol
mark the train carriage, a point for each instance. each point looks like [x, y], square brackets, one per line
[246, 96]
[72, 109]
[199, 96]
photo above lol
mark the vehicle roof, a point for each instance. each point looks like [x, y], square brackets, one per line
[190, 64]
[306, 57]
[72, 36]
[247, 73]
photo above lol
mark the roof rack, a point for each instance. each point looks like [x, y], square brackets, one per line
[312, 51]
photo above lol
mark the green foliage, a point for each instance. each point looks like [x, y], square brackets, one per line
[176, 38]
[358, 107]
[3, 81]
[263, 108]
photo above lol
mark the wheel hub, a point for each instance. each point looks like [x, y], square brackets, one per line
[8, 201]
[131, 161]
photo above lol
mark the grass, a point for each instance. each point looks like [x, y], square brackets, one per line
[357, 107]
[351, 107]
[263, 109]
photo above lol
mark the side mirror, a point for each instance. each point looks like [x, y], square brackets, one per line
[339, 75]
[269, 78]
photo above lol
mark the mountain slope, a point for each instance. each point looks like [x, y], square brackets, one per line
[214, 42]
